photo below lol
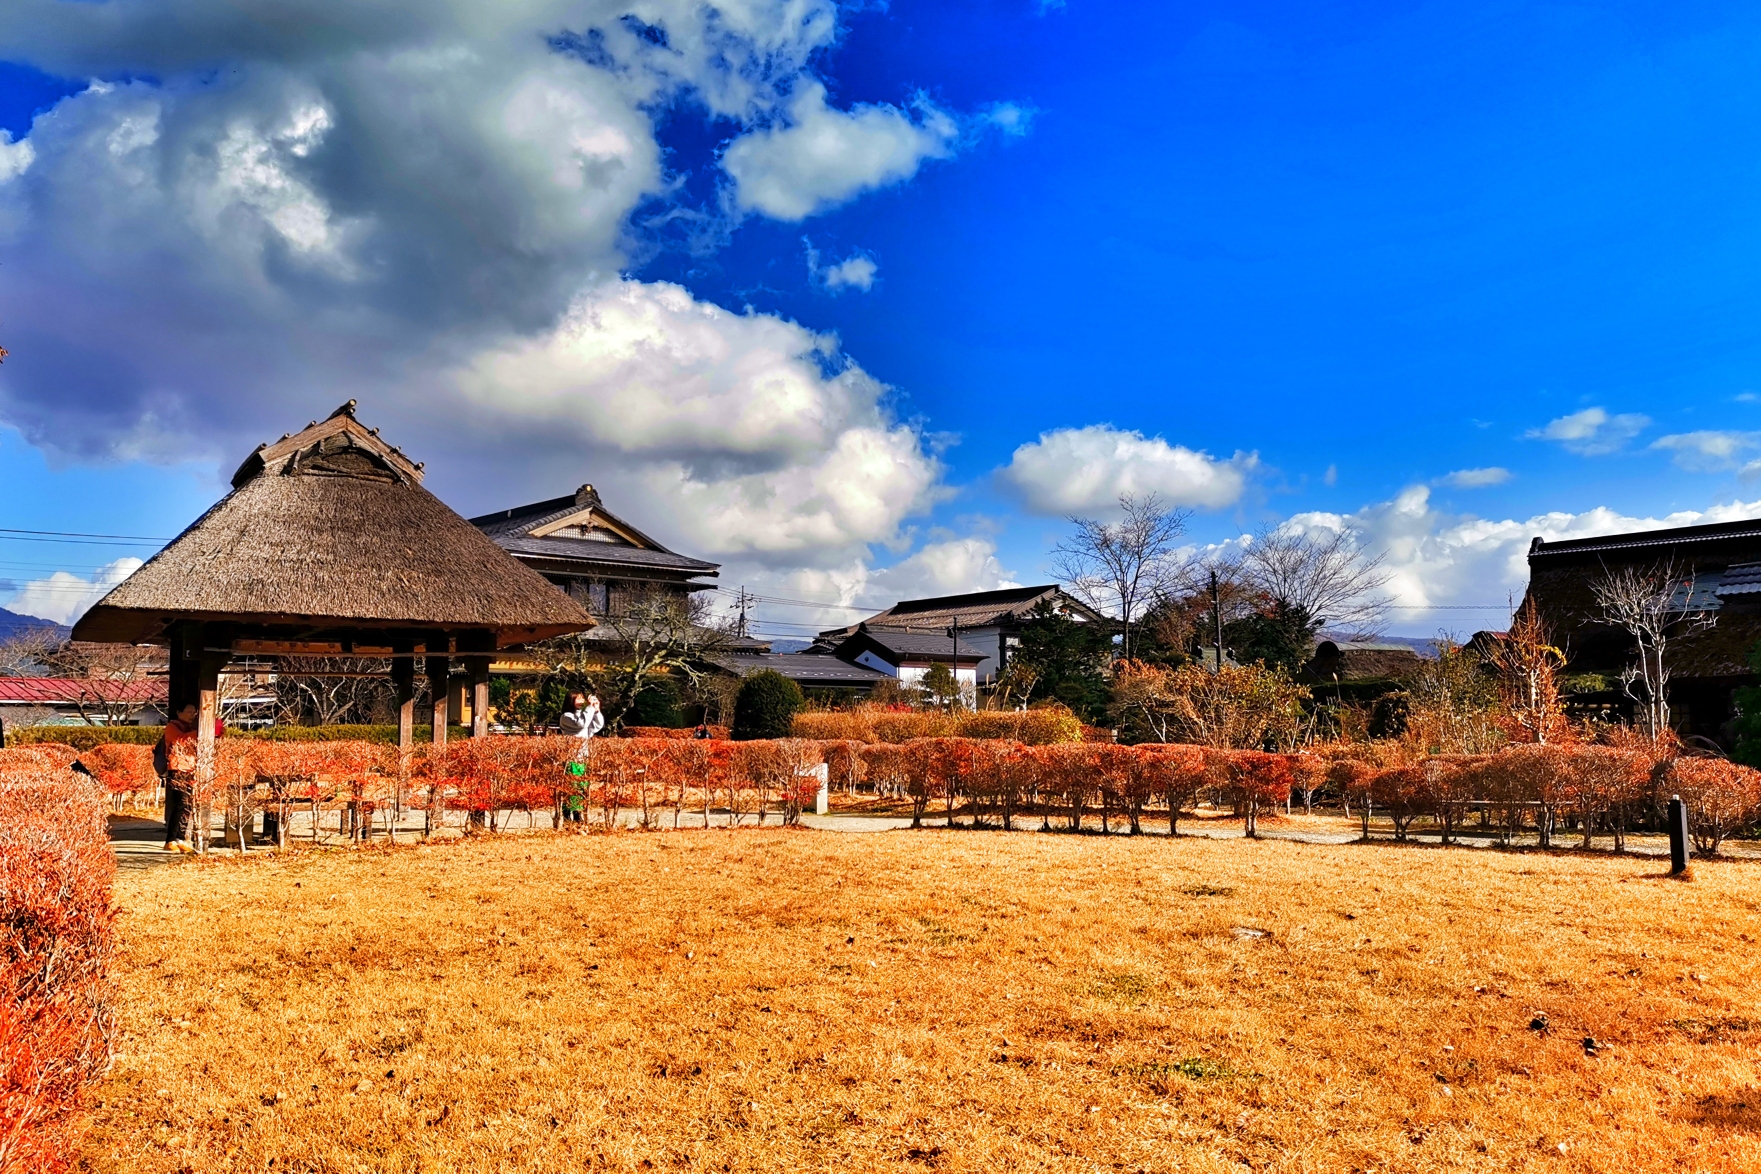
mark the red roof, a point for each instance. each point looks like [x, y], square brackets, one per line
[67, 690]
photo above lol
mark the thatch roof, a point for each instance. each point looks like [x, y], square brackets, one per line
[330, 529]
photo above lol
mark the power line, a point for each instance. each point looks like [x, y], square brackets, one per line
[1450, 607]
[78, 534]
[751, 597]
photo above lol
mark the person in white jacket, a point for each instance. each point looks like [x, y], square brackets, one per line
[582, 720]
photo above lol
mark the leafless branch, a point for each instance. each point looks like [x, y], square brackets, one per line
[1326, 574]
[1118, 568]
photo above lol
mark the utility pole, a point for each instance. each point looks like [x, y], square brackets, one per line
[955, 633]
[742, 627]
[1217, 617]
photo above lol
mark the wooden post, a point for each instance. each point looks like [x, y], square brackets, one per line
[403, 683]
[1678, 836]
[439, 668]
[478, 667]
[439, 671]
[208, 667]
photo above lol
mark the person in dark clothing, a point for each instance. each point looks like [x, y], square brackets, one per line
[175, 758]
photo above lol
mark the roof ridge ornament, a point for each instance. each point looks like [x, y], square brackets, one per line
[587, 497]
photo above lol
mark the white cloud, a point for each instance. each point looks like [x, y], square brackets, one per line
[1440, 558]
[1707, 451]
[948, 567]
[1012, 118]
[341, 199]
[820, 156]
[857, 271]
[753, 434]
[851, 273]
[944, 566]
[1075, 470]
[14, 157]
[64, 597]
[1477, 478]
[424, 204]
[1592, 432]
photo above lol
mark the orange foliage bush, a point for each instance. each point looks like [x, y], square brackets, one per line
[873, 723]
[125, 771]
[55, 945]
[1720, 797]
[722, 732]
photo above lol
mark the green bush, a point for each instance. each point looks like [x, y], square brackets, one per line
[86, 737]
[656, 705]
[766, 706]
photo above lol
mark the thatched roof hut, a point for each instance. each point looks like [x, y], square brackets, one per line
[329, 545]
[328, 535]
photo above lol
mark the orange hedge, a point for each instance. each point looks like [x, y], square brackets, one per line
[56, 929]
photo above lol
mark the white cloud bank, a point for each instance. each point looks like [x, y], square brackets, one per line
[1710, 451]
[1592, 432]
[942, 566]
[1439, 558]
[1078, 470]
[423, 205]
[818, 156]
[63, 597]
[751, 434]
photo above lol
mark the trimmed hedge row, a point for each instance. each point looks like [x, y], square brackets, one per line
[86, 737]
[1033, 727]
[56, 933]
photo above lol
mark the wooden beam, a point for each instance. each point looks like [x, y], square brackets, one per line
[403, 683]
[439, 668]
[208, 668]
[291, 647]
[478, 667]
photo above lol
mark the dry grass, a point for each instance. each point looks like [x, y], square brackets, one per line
[956, 1001]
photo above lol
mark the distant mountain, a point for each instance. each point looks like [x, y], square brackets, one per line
[1425, 646]
[12, 624]
[789, 645]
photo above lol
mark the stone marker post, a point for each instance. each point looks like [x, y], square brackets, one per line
[1678, 836]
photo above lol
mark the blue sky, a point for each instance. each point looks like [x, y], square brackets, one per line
[1283, 263]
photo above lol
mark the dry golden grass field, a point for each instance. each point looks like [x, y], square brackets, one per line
[770, 1000]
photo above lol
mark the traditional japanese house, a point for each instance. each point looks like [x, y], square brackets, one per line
[908, 656]
[1716, 607]
[989, 622]
[594, 556]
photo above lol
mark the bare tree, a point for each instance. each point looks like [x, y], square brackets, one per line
[333, 690]
[1654, 606]
[1200, 596]
[1120, 567]
[109, 680]
[29, 652]
[1528, 669]
[648, 635]
[1326, 574]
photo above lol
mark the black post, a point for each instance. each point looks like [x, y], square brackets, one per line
[954, 633]
[1217, 616]
[1678, 836]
